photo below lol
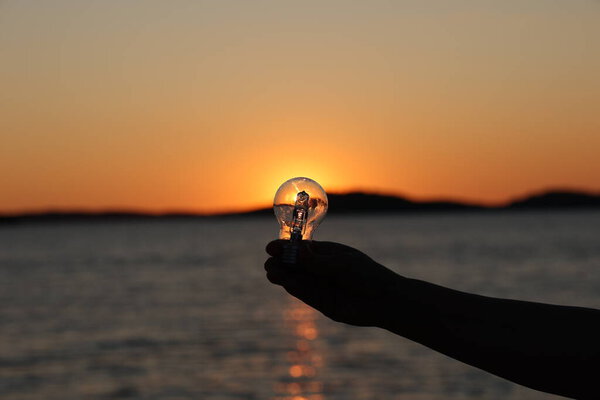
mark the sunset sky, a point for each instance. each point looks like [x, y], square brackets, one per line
[210, 105]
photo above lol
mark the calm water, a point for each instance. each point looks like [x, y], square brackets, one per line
[181, 310]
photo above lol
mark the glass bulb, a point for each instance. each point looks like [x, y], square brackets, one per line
[300, 205]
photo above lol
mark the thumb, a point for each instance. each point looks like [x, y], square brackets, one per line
[324, 258]
[326, 248]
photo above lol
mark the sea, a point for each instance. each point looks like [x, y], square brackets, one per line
[181, 309]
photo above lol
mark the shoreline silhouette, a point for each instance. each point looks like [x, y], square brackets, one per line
[347, 203]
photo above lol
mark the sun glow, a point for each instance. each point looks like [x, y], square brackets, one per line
[257, 175]
[211, 111]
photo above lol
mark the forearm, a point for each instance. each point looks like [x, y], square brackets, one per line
[546, 347]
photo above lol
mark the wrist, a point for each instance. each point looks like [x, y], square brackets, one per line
[404, 309]
[391, 305]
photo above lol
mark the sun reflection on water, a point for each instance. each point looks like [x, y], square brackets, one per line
[300, 381]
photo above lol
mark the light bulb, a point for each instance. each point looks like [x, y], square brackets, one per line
[300, 205]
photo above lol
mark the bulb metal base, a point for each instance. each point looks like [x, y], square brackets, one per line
[290, 250]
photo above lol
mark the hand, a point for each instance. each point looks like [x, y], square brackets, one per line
[340, 281]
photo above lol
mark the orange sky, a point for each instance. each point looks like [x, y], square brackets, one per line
[210, 105]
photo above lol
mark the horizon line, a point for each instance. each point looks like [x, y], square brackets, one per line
[141, 211]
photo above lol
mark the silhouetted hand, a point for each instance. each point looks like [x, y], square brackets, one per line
[340, 281]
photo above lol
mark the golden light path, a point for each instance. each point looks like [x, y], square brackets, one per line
[301, 381]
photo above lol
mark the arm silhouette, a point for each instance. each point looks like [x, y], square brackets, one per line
[552, 348]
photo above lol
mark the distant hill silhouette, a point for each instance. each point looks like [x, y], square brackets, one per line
[350, 203]
[376, 203]
[557, 199]
[357, 203]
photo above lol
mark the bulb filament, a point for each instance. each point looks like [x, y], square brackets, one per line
[300, 215]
